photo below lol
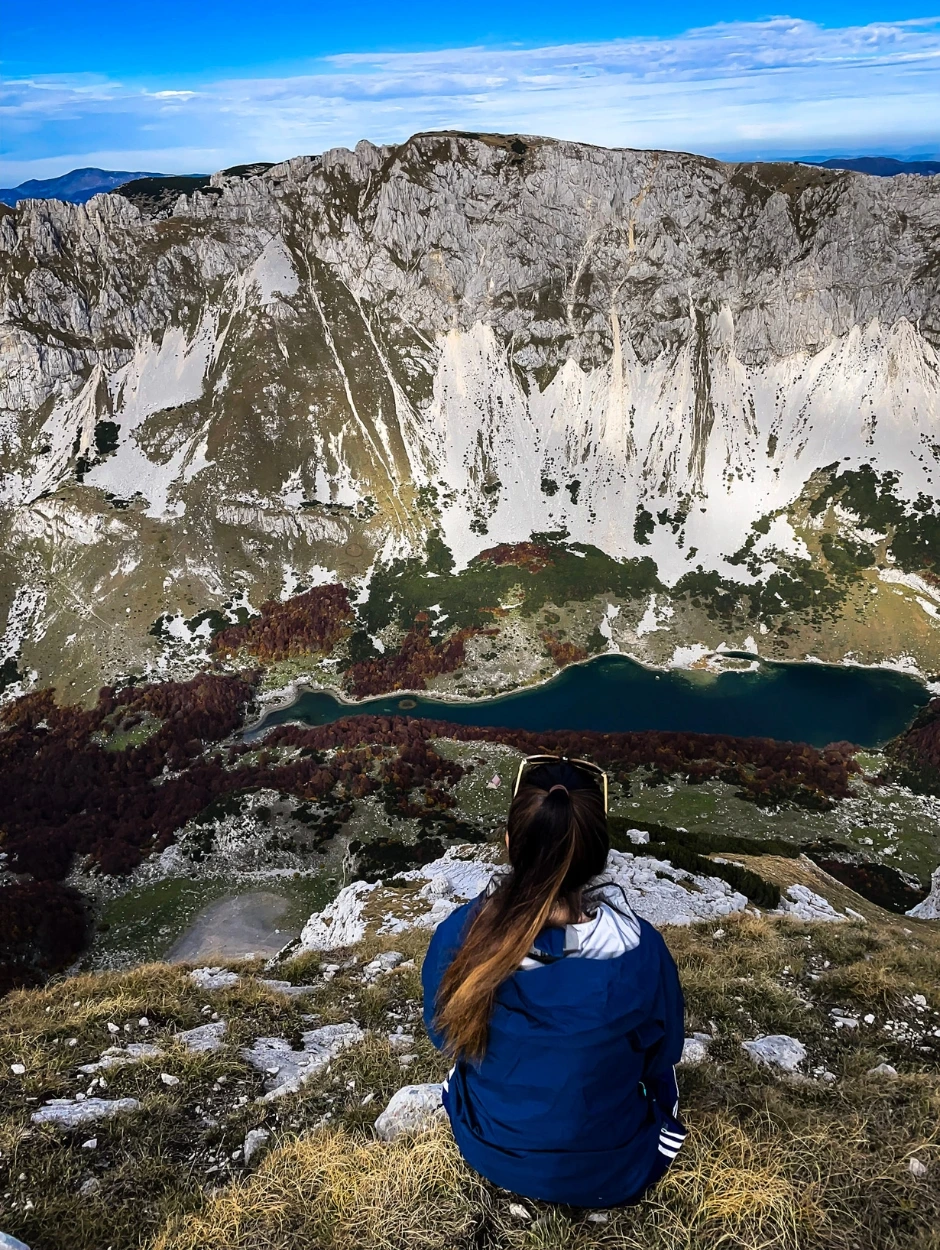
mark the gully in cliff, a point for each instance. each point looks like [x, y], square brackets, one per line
[562, 1010]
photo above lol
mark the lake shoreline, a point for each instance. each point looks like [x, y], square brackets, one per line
[286, 696]
[635, 676]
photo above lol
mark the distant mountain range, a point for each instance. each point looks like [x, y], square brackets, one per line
[880, 166]
[76, 187]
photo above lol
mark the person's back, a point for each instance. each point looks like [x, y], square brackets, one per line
[565, 1016]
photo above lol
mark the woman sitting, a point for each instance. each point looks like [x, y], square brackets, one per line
[561, 1008]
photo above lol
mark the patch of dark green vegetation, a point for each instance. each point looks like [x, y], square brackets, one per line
[689, 851]
[374, 861]
[400, 591]
[107, 434]
[9, 673]
[913, 529]
[643, 527]
[879, 883]
[802, 590]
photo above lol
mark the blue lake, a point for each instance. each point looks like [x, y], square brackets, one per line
[815, 703]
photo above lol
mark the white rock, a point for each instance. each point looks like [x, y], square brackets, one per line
[694, 1050]
[169, 1079]
[113, 1028]
[916, 1167]
[115, 1056]
[882, 1069]
[255, 1139]
[203, 1038]
[929, 908]
[519, 1212]
[90, 1187]
[400, 1040]
[382, 964]
[598, 1217]
[71, 1112]
[213, 978]
[287, 1069]
[776, 1050]
[285, 988]
[804, 904]
[340, 923]
[410, 1110]
[91, 1144]
[639, 837]
[18, 1069]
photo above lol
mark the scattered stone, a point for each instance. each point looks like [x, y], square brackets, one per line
[112, 1028]
[115, 1056]
[598, 1217]
[406, 1060]
[213, 978]
[168, 1079]
[842, 1021]
[255, 1139]
[882, 1069]
[8, 1242]
[916, 1167]
[203, 1038]
[287, 1069]
[91, 1144]
[411, 1110]
[519, 1212]
[694, 1050]
[776, 1050]
[370, 1097]
[90, 1187]
[144, 1022]
[382, 964]
[639, 837]
[71, 1112]
[804, 904]
[18, 1069]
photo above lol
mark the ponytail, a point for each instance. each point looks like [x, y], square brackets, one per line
[557, 843]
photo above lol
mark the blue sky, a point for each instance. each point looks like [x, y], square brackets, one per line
[199, 85]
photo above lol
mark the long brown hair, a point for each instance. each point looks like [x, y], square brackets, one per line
[557, 843]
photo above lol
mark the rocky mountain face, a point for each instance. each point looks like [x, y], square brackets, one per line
[722, 379]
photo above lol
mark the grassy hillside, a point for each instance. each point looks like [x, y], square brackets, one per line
[835, 1157]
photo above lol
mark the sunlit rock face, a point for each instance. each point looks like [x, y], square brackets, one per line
[290, 376]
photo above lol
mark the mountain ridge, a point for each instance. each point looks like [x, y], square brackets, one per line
[75, 187]
[305, 374]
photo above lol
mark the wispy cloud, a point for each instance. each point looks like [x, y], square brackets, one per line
[780, 87]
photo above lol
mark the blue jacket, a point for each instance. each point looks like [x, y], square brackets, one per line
[575, 1100]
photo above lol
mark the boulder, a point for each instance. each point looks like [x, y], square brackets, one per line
[411, 1110]
[776, 1050]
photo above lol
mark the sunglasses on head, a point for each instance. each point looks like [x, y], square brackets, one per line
[595, 772]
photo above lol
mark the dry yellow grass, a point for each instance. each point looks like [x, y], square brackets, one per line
[332, 1190]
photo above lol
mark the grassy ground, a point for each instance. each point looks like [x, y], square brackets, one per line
[771, 1163]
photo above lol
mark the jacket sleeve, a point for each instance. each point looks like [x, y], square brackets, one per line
[444, 946]
[665, 1088]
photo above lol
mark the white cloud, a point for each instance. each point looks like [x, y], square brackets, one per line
[783, 86]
